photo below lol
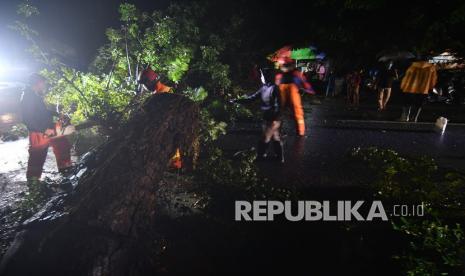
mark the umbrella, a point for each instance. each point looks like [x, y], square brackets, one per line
[321, 56]
[282, 55]
[286, 54]
[303, 53]
[445, 57]
[313, 48]
[398, 55]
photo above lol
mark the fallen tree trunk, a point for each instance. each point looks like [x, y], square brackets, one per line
[106, 226]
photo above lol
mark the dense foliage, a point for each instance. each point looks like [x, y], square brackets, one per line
[171, 42]
[436, 241]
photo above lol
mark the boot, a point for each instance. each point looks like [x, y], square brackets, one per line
[416, 114]
[279, 150]
[262, 147]
[68, 171]
[405, 114]
[33, 182]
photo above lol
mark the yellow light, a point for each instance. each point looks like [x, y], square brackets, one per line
[7, 118]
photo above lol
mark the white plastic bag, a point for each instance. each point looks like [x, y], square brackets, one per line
[441, 124]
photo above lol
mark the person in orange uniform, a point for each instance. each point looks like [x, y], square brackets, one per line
[150, 81]
[39, 122]
[290, 82]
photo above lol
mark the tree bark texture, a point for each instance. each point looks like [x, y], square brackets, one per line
[106, 225]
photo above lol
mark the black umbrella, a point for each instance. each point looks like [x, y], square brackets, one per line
[397, 55]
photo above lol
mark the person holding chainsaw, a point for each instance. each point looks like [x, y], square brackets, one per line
[42, 130]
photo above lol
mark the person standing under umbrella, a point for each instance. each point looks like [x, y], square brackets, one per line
[419, 80]
[384, 80]
[290, 81]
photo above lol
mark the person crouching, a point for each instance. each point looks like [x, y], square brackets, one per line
[271, 107]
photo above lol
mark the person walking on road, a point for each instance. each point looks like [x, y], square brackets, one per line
[330, 86]
[354, 79]
[290, 82]
[384, 80]
[420, 78]
[271, 107]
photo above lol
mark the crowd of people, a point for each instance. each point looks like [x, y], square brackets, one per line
[416, 82]
[413, 83]
[280, 93]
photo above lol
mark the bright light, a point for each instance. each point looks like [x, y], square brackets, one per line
[9, 69]
[7, 118]
[3, 67]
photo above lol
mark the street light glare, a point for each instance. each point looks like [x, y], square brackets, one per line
[10, 70]
[3, 66]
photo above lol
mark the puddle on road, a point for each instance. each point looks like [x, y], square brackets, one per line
[13, 164]
[13, 185]
[13, 156]
[13, 160]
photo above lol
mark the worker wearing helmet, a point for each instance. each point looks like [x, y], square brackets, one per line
[149, 80]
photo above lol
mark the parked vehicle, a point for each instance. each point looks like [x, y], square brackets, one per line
[10, 96]
[450, 88]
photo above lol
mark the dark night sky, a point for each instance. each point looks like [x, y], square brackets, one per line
[75, 26]
[78, 25]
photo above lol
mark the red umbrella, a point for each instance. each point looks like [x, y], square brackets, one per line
[282, 55]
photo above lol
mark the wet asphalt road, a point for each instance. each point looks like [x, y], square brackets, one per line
[318, 158]
[13, 164]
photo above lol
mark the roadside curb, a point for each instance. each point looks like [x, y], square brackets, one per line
[387, 125]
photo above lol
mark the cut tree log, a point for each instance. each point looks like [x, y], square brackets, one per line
[106, 225]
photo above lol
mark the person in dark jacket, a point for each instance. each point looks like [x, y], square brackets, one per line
[39, 122]
[271, 107]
